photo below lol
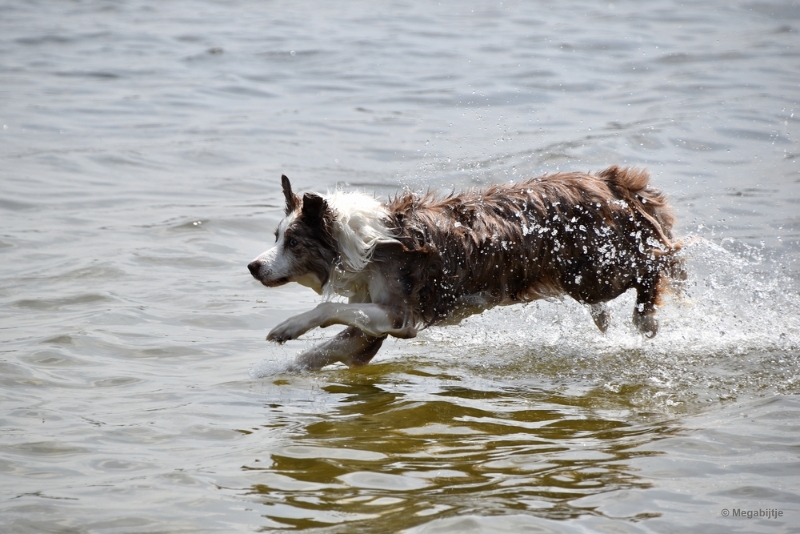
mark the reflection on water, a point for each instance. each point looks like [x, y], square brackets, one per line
[384, 454]
[410, 446]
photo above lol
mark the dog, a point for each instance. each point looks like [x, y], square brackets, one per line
[422, 260]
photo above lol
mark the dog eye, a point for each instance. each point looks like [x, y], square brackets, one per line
[291, 243]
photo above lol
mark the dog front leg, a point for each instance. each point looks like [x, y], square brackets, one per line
[296, 326]
[351, 346]
[376, 320]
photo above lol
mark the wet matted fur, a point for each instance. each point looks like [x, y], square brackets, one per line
[422, 260]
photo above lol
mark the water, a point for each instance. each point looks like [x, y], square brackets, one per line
[142, 145]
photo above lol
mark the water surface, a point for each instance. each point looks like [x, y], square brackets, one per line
[141, 149]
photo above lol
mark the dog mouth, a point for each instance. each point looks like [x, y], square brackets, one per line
[275, 283]
[255, 268]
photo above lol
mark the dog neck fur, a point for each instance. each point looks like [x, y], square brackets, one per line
[359, 227]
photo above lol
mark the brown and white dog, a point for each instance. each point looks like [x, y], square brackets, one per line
[418, 261]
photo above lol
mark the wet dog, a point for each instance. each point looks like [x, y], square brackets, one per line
[422, 260]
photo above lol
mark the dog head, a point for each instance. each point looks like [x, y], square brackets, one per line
[304, 249]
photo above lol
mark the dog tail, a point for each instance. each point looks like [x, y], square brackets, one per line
[633, 185]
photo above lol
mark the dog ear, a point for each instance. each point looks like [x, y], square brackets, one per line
[292, 200]
[314, 207]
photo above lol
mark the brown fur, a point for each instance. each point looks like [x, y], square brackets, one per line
[590, 237]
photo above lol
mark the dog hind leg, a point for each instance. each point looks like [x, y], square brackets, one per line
[645, 310]
[601, 316]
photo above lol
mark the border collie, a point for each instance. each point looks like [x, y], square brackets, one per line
[422, 260]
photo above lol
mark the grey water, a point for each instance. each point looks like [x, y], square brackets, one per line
[141, 149]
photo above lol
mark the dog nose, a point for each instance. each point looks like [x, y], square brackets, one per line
[254, 267]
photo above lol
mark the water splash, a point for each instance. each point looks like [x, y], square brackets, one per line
[734, 331]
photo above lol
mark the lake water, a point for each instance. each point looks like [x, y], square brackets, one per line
[141, 148]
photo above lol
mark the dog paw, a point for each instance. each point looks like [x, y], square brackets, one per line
[646, 324]
[277, 338]
[286, 331]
